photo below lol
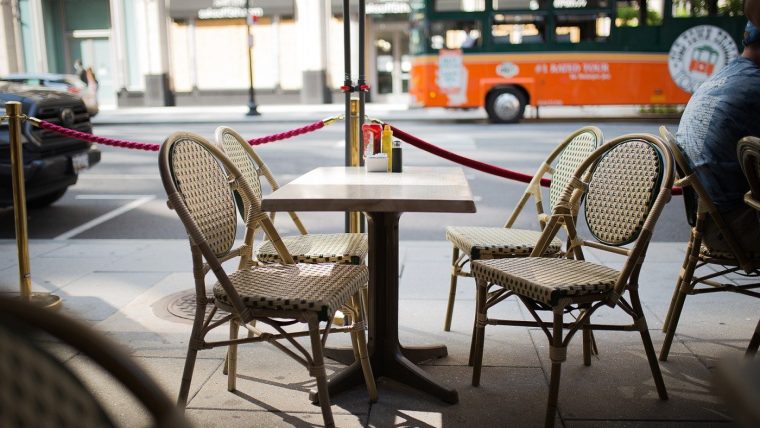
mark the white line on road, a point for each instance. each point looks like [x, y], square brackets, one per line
[119, 177]
[114, 197]
[138, 200]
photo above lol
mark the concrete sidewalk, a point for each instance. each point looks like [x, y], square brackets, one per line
[133, 290]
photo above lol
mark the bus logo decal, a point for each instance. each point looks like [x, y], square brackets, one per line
[698, 53]
[451, 76]
[507, 69]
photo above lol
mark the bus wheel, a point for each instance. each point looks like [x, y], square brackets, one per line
[505, 105]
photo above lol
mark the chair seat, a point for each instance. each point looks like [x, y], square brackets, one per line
[321, 288]
[547, 280]
[497, 242]
[349, 248]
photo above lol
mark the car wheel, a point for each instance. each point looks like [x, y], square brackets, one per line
[46, 199]
[505, 105]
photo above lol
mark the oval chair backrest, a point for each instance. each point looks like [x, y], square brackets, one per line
[622, 189]
[582, 143]
[197, 176]
[233, 145]
[748, 151]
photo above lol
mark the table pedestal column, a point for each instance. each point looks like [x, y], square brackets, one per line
[389, 359]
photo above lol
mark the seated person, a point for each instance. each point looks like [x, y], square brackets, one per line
[721, 111]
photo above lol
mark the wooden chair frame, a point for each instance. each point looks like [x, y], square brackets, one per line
[532, 191]
[748, 151]
[208, 255]
[490, 292]
[734, 261]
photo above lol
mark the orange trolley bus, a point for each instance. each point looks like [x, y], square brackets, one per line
[506, 54]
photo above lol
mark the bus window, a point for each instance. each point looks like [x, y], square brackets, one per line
[689, 8]
[460, 5]
[517, 29]
[582, 28]
[579, 4]
[628, 14]
[455, 34]
[520, 4]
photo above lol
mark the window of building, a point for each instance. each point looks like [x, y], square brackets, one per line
[582, 28]
[520, 4]
[517, 29]
[460, 5]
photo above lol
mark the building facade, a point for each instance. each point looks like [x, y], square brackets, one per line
[182, 52]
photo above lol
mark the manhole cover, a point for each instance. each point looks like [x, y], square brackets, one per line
[181, 306]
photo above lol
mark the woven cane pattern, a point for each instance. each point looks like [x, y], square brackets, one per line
[497, 242]
[39, 391]
[571, 157]
[204, 187]
[243, 162]
[546, 280]
[350, 248]
[321, 288]
[621, 191]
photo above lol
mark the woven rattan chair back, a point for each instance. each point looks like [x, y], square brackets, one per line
[700, 208]
[38, 390]
[251, 165]
[748, 151]
[561, 164]
[234, 146]
[625, 185]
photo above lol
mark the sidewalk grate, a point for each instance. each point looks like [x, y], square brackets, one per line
[181, 307]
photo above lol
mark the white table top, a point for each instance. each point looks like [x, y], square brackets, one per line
[417, 189]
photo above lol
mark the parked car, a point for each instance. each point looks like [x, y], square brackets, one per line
[70, 83]
[52, 161]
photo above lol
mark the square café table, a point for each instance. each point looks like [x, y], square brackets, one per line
[383, 197]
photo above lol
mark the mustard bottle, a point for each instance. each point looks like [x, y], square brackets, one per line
[387, 143]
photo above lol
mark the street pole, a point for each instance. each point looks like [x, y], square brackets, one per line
[252, 107]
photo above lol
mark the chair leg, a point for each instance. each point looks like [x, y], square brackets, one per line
[589, 345]
[192, 353]
[654, 365]
[452, 289]
[557, 354]
[684, 286]
[232, 356]
[360, 347]
[479, 330]
[754, 343]
[317, 370]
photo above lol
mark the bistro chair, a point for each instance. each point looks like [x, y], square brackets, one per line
[749, 156]
[482, 243]
[348, 248]
[38, 390]
[702, 266]
[625, 184]
[276, 294]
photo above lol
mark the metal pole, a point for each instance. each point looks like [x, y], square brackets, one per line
[348, 85]
[252, 107]
[362, 81]
[355, 218]
[15, 118]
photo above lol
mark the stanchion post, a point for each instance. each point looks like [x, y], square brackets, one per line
[355, 220]
[15, 119]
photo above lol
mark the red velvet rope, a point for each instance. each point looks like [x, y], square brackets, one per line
[480, 166]
[287, 134]
[100, 140]
[154, 147]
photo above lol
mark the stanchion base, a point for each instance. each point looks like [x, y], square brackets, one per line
[43, 300]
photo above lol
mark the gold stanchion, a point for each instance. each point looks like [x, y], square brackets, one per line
[15, 119]
[355, 218]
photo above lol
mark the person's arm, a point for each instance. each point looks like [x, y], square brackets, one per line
[752, 11]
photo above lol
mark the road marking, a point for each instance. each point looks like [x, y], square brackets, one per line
[137, 201]
[119, 176]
